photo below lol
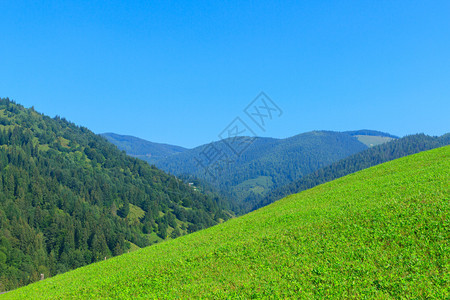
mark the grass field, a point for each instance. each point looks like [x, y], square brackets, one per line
[371, 141]
[259, 185]
[380, 233]
[136, 213]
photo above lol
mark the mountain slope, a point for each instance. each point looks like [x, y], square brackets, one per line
[68, 198]
[266, 164]
[373, 156]
[378, 233]
[142, 149]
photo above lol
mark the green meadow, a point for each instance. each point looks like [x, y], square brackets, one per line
[380, 233]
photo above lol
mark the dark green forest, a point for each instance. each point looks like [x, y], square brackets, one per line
[69, 198]
[373, 156]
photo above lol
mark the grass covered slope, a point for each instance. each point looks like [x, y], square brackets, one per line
[382, 232]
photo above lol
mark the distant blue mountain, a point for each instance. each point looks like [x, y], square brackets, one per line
[266, 164]
[142, 149]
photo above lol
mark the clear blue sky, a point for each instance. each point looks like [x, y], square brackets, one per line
[179, 72]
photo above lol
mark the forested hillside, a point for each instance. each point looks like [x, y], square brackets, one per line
[69, 198]
[373, 156]
[266, 164]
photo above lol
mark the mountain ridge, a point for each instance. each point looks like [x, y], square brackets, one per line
[141, 148]
[134, 150]
[261, 165]
[370, 132]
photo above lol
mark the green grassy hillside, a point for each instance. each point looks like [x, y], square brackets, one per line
[379, 233]
[372, 138]
[371, 141]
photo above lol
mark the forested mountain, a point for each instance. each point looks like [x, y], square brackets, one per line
[373, 156]
[68, 198]
[266, 163]
[142, 149]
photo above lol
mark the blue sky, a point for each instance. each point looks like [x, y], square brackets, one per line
[180, 72]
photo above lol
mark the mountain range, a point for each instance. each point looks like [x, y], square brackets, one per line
[265, 164]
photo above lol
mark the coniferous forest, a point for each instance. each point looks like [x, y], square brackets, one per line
[69, 198]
